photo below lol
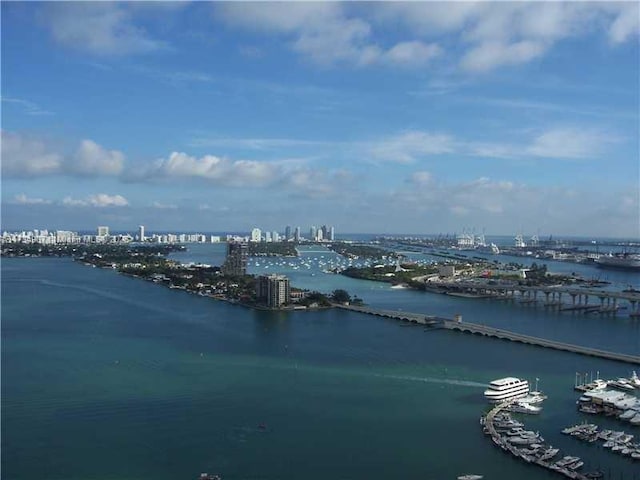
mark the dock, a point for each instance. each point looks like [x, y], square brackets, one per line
[484, 330]
[500, 440]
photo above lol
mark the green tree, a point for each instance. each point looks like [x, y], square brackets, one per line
[340, 296]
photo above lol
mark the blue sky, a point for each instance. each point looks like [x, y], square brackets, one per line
[374, 117]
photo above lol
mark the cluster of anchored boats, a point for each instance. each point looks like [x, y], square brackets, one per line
[619, 442]
[510, 436]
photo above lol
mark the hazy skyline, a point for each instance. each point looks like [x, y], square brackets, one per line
[373, 117]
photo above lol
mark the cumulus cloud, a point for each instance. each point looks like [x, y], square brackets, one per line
[498, 34]
[28, 156]
[409, 146]
[25, 156]
[102, 28]
[214, 169]
[324, 33]
[99, 200]
[92, 159]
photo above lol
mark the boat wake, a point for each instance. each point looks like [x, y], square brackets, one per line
[446, 381]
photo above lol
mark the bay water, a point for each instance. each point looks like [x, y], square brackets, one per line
[110, 377]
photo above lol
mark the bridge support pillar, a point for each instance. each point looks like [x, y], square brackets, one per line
[573, 299]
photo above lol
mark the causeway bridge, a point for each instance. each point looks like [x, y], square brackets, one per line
[484, 330]
[555, 296]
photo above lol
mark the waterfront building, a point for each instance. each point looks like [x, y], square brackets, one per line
[215, 239]
[287, 233]
[141, 233]
[267, 236]
[332, 233]
[275, 236]
[256, 235]
[446, 270]
[312, 233]
[296, 236]
[319, 235]
[103, 231]
[274, 290]
[236, 261]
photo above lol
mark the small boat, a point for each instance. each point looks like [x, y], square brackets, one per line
[634, 380]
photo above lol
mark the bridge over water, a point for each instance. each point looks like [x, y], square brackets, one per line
[477, 329]
[550, 295]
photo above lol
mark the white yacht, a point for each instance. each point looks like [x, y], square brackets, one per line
[506, 389]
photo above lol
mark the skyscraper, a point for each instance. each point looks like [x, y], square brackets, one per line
[236, 261]
[256, 235]
[296, 236]
[312, 233]
[287, 233]
[332, 233]
[141, 233]
[274, 290]
[103, 231]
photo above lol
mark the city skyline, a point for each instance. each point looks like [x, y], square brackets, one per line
[384, 118]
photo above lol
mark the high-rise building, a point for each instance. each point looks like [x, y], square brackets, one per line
[256, 235]
[296, 236]
[103, 231]
[236, 261]
[332, 233]
[274, 290]
[275, 236]
[141, 233]
[267, 236]
[312, 233]
[287, 233]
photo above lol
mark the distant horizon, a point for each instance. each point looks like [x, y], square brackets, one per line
[339, 235]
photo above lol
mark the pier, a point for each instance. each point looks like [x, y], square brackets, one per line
[484, 330]
[500, 440]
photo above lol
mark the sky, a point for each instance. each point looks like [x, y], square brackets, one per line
[374, 117]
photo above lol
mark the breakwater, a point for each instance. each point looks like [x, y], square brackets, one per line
[484, 330]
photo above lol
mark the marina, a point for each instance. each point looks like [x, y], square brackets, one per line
[528, 446]
[615, 441]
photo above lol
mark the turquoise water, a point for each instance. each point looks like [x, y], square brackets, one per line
[109, 377]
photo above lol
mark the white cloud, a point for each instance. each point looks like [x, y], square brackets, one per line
[570, 143]
[567, 143]
[27, 156]
[409, 146]
[489, 55]
[411, 53]
[91, 159]
[22, 199]
[215, 169]
[626, 24]
[324, 33]
[24, 156]
[101, 28]
[99, 200]
[498, 34]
